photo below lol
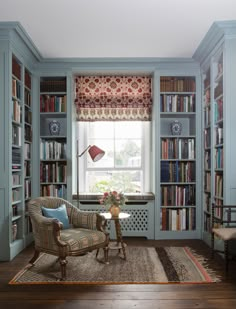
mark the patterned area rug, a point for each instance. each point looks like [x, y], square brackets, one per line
[143, 266]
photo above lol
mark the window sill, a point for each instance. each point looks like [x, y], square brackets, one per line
[94, 197]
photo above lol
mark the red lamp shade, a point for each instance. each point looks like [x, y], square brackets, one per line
[96, 153]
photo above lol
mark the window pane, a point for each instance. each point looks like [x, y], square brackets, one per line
[101, 129]
[125, 181]
[132, 128]
[128, 153]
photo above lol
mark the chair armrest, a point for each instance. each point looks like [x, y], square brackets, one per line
[101, 224]
[84, 219]
[47, 232]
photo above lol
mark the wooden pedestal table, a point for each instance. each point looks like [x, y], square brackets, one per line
[119, 244]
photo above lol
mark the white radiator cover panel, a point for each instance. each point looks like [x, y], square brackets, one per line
[139, 224]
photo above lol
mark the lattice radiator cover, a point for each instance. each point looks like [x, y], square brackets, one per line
[139, 224]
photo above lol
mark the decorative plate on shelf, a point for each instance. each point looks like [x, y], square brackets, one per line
[54, 127]
[176, 127]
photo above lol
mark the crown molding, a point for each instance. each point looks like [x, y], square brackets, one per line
[14, 32]
[214, 37]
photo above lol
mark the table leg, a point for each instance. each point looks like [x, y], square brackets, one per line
[119, 237]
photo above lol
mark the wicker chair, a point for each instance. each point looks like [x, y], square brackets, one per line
[85, 233]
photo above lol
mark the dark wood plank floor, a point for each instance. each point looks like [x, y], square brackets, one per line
[167, 296]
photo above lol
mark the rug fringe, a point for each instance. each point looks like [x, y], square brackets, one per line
[205, 263]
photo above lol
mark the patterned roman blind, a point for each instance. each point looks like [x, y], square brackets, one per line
[114, 98]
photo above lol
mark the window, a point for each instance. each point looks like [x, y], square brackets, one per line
[125, 166]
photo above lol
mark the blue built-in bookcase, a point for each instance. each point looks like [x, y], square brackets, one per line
[217, 57]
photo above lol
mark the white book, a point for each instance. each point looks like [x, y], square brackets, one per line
[183, 219]
[173, 220]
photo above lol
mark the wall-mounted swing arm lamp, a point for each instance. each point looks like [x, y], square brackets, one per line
[95, 153]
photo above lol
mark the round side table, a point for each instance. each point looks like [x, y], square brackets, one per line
[119, 245]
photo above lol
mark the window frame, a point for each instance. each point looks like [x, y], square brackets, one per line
[82, 133]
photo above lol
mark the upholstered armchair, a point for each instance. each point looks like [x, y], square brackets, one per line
[84, 232]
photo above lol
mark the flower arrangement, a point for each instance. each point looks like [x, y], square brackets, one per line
[113, 198]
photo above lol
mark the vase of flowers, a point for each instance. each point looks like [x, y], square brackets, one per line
[113, 200]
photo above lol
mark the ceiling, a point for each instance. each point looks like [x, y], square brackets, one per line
[116, 28]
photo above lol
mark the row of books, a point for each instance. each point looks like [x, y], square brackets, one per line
[177, 103]
[16, 68]
[207, 160]
[219, 158]
[27, 98]
[207, 202]
[28, 116]
[183, 219]
[14, 230]
[14, 210]
[207, 97]
[16, 195]
[16, 89]
[27, 188]
[53, 172]
[27, 169]
[178, 195]
[177, 171]
[219, 185]
[217, 211]
[218, 91]
[207, 181]
[53, 86]
[16, 156]
[28, 133]
[52, 104]
[28, 225]
[177, 84]
[219, 110]
[53, 190]
[219, 135]
[16, 179]
[27, 79]
[207, 138]
[16, 112]
[16, 135]
[207, 116]
[52, 150]
[27, 151]
[178, 148]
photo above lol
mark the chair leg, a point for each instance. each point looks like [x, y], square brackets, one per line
[63, 263]
[34, 258]
[226, 249]
[106, 249]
